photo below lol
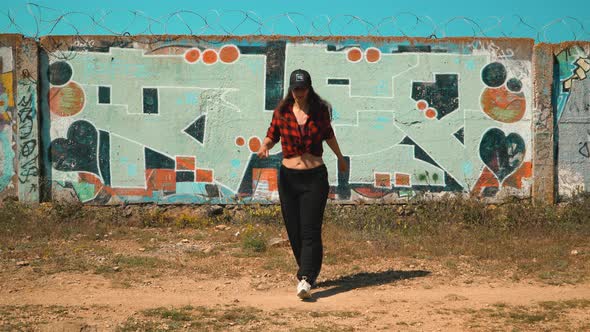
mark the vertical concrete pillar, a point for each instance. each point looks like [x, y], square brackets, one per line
[27, 120]
[543, 125]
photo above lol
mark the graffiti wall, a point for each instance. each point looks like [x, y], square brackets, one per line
[27, 140]
[19, 136]
[573, 120]
[7, 118]
[179, 121]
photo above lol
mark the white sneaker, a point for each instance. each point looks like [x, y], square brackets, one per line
[304, 289]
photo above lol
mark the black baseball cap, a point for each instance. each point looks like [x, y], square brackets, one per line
[299, 79]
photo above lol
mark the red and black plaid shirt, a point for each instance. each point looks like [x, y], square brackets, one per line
[284, 126]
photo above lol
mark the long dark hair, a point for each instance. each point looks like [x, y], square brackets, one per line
[314, 101]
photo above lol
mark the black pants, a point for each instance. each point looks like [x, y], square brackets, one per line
[303, 195]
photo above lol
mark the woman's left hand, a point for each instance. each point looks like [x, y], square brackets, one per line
[342, 165]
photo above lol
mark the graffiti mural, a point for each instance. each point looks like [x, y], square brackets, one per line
[7, 111]
[573, 121]
[180, 122]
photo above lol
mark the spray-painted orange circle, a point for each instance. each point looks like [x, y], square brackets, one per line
[240, 141]
[355, 55]
[422, 105]
[192, 55]
[431, 113]
[229, 54]
[373, 55]
[503, 105]
[67, 100]
[254, 144]
[209, 57]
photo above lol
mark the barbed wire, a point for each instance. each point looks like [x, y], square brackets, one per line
[41, 21]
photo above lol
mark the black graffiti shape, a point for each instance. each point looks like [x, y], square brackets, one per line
[157, 160]
[104, 155]
[78, 151]
[414, 49]
[275, 69]
[585, 150]
[25, 129]
[419, 153]
[514, 85]
[197, 129]
[344, 188]
[338, 81]
[28, 169]
[502, 154]
[104, 95]
[460, 135]
[28, 148]
[150, 101]
[25, 117]
[443, 94]
[26, 104]
[494, 74]
[25, 174]
[185, 176]
[60, 73]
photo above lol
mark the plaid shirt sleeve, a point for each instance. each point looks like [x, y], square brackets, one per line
[273, 131]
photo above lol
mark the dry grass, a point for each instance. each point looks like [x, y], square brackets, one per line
[457, 239]
[460, 234]
[528, 241]
[193, 318]
[542, 316]
[31, 317]
[231, 317]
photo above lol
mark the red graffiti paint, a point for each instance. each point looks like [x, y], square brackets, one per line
[204, 175]
[354, 55]
[186, 163]
[192, 55]
[229, 54]
[373, 55]
[503, 105]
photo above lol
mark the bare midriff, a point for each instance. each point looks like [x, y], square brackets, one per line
[305, 161]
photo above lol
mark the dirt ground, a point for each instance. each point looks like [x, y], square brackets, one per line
[161, 280]
[420, 304]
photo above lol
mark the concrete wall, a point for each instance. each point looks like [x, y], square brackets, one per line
[572, 105]
[176, 119]
[8, 179]
[19, 137]
[179, 120]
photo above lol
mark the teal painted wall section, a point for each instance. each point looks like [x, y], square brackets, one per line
[179, 121]
[7, 118]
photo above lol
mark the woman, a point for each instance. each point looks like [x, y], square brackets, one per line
[301, 122]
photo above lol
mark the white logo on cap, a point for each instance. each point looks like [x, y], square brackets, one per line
[299, 77]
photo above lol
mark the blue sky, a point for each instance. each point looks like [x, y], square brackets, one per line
[555, 20]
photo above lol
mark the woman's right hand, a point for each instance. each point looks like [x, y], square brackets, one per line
[262, 152]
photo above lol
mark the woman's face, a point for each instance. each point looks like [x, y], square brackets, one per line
[300, 94]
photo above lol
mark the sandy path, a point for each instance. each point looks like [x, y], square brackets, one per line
[379, 307]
